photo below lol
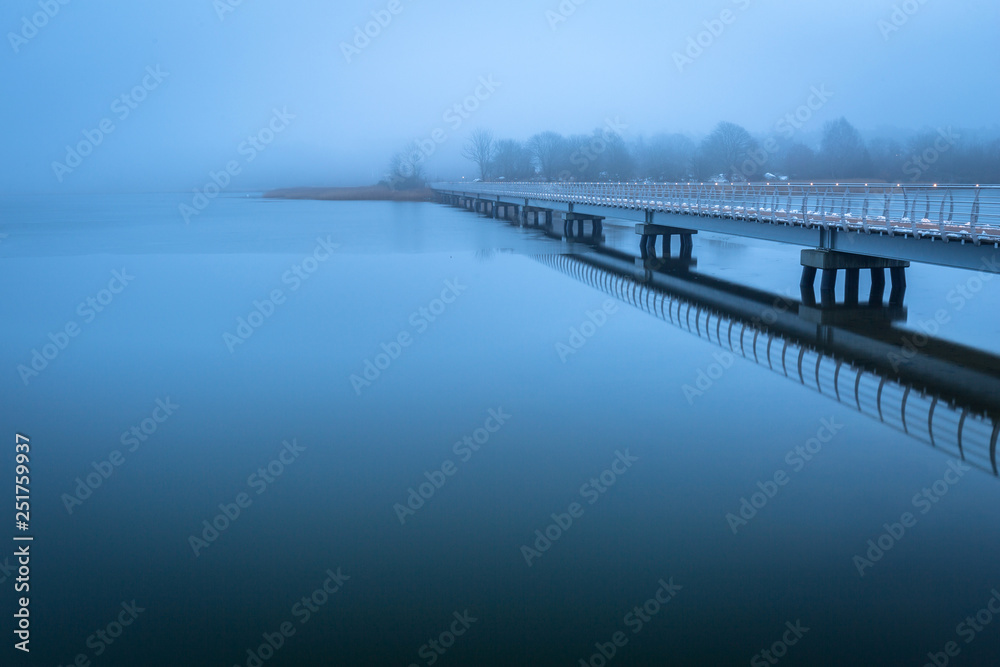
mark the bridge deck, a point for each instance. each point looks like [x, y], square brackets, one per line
[878, 220]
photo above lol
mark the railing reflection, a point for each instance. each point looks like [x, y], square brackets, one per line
[943, 394]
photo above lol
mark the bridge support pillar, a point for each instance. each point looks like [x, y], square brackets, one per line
[532, 215]
[828, 286]
[898, 275]
[851, 282]
[808, 277]
[574, 226]
[648, 233]
[878, 287]
[832, 261]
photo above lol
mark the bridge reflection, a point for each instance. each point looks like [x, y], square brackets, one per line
[941, 393]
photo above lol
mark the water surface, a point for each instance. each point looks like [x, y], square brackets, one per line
[489, 317]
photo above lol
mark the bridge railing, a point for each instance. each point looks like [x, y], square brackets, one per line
[947, 212]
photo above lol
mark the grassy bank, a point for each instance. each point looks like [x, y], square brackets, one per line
[364, 193]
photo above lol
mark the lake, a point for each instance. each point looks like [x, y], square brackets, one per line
[303, 433]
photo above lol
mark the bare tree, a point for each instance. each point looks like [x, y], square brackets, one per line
[664, 157]
[799, 161]
[406, 168]
[512, 160]
[481, 148]
[941, 155]
[888, 158]
[550, 152]
[727, 148]
[842, 152]
[616, 161]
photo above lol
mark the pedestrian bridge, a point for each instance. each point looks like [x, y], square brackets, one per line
[851, 224]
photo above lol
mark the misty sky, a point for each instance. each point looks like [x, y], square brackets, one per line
[229, 67]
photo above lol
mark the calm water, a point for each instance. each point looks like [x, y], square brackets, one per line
[413, 406]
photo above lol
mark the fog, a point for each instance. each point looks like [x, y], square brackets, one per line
[336, 104]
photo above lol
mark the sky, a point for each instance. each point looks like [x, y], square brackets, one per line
[169, 96]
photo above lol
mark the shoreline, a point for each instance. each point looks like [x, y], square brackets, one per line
[361, 193]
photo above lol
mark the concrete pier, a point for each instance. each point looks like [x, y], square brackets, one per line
[648, 233]
[577, 221]
[537, 217]
[832, 261]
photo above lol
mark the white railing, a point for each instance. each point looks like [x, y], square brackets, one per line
[948, 212]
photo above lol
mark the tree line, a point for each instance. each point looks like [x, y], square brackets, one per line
[732, 153]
